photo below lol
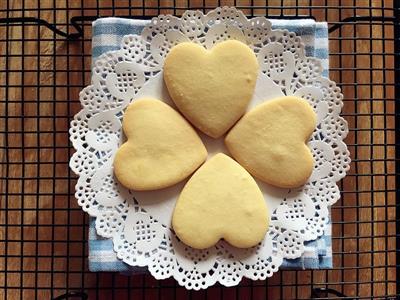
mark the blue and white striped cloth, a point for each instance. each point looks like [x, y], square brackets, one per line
[107, 35]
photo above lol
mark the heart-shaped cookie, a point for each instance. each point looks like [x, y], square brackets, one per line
[221, 201]
[161, 148]
[211, 87]
[270, 141]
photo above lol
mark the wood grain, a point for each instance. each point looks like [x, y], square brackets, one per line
[43, 232]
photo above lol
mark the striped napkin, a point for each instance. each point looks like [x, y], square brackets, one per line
[107, 34]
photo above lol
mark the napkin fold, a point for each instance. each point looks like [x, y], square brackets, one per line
[107, 34]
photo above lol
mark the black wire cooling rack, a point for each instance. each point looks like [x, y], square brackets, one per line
[45, 50]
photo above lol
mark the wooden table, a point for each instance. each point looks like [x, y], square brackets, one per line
[43, 232]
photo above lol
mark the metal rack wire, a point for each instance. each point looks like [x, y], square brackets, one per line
[45, 50]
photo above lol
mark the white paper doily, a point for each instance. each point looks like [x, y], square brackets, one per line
[139, 222]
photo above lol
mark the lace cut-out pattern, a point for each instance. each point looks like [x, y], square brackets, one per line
[141, 234]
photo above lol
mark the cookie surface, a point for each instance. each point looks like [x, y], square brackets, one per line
[221, 201]
[270, 141]
[211, 87]
[161, 148]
